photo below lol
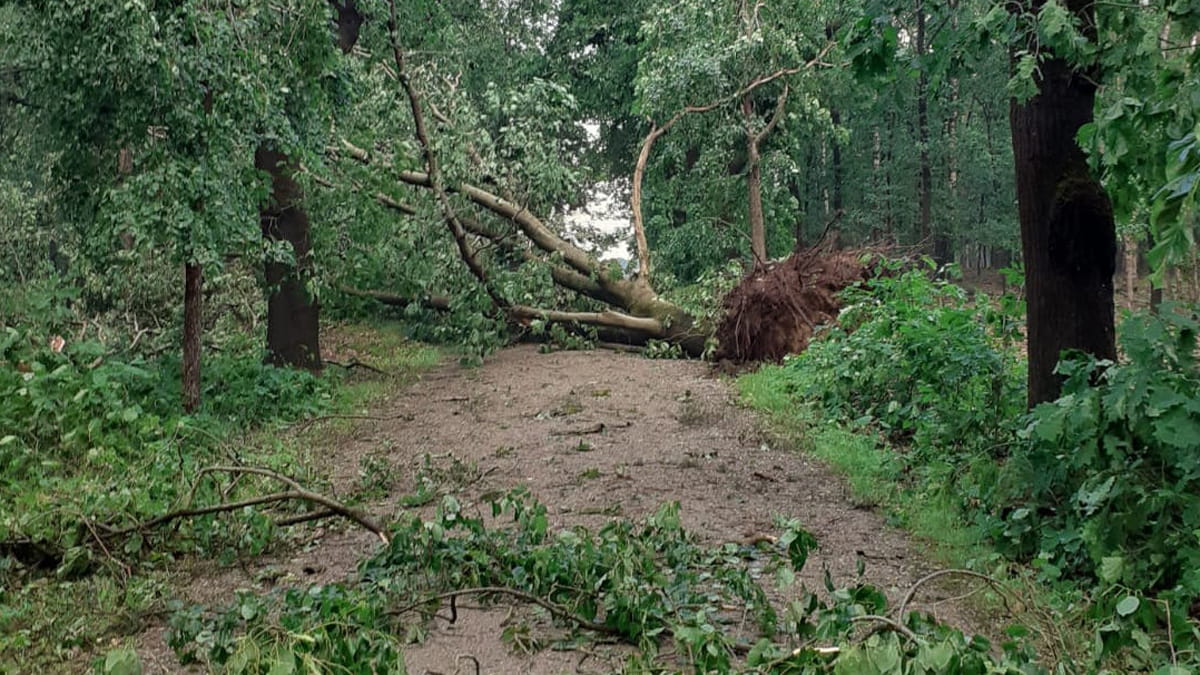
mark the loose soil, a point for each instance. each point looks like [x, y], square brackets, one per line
[594, 435]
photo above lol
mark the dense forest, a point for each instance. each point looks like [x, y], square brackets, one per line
[946, 247]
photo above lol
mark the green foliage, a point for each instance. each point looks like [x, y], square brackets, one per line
[649, 583]
[1104, 483]
[319, 629]
[702, 299]
[1097, 488]
[92, 437]
[659, 349]
[83, 434]
[902, 343]
[559, 337]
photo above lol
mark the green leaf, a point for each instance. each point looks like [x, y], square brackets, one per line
[1178, 428]
[122, 661]
[285, 664]
[1128, 605]
[936, 658]
[1111, 568]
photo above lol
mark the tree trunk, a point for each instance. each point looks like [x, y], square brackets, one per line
[293, 314]
[943, 247]
[1130, 268]
[835, 116]
[193, 298]
[889, 216]
[1067, 232]
[940, 244]
[758, 227]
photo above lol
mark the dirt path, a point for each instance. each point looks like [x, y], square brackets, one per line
[593, 435]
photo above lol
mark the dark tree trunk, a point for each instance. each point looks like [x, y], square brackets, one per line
[798, 228]
[293, 314]
[349, 20]
[193, 298]
[1067, 233]
[889, 215]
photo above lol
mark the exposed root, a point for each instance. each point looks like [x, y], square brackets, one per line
[775, 310]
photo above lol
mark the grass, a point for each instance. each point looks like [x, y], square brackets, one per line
[871, 469]
[52, 622]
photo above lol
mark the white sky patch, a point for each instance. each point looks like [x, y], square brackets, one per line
[606, 211]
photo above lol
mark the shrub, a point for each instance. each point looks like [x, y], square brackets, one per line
[915, 357]
[84, 434]
[1107, 480]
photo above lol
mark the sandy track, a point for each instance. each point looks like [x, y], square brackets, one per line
[670, 432]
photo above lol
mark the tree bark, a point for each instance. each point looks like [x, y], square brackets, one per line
[1130, 269]
[293, 314]
[940, 245]
[348, 22]
[758, 227]
[889, 216]
[1067, 232]
[193, 299]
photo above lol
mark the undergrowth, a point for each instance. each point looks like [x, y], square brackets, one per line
[917, 396]
[93, 442]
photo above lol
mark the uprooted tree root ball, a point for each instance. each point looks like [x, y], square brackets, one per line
[774, 311]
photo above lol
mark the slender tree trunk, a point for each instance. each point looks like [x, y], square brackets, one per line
[758, 227]
[293, 314]
[889, 218]
[754, 137]
[1067, 232]
[1130, 265]
[942, 242]
[193, 299]
[924, 170]
[835, 116]
[798, 227]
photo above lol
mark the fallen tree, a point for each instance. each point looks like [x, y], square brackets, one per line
[630, 310]
[637, 315]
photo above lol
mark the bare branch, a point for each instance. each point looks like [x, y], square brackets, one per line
[431, 165]
[780, 104]
[554, 609]
[297, 492]
[647, 326]
[439, 303]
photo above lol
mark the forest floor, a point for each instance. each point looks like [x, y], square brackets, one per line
[594, 435]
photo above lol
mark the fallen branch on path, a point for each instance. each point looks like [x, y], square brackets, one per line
[355, 363]
[884, 623]
[305, 424]
[596, 428]
[556, 610]
[296, 493]
[1004, 592]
